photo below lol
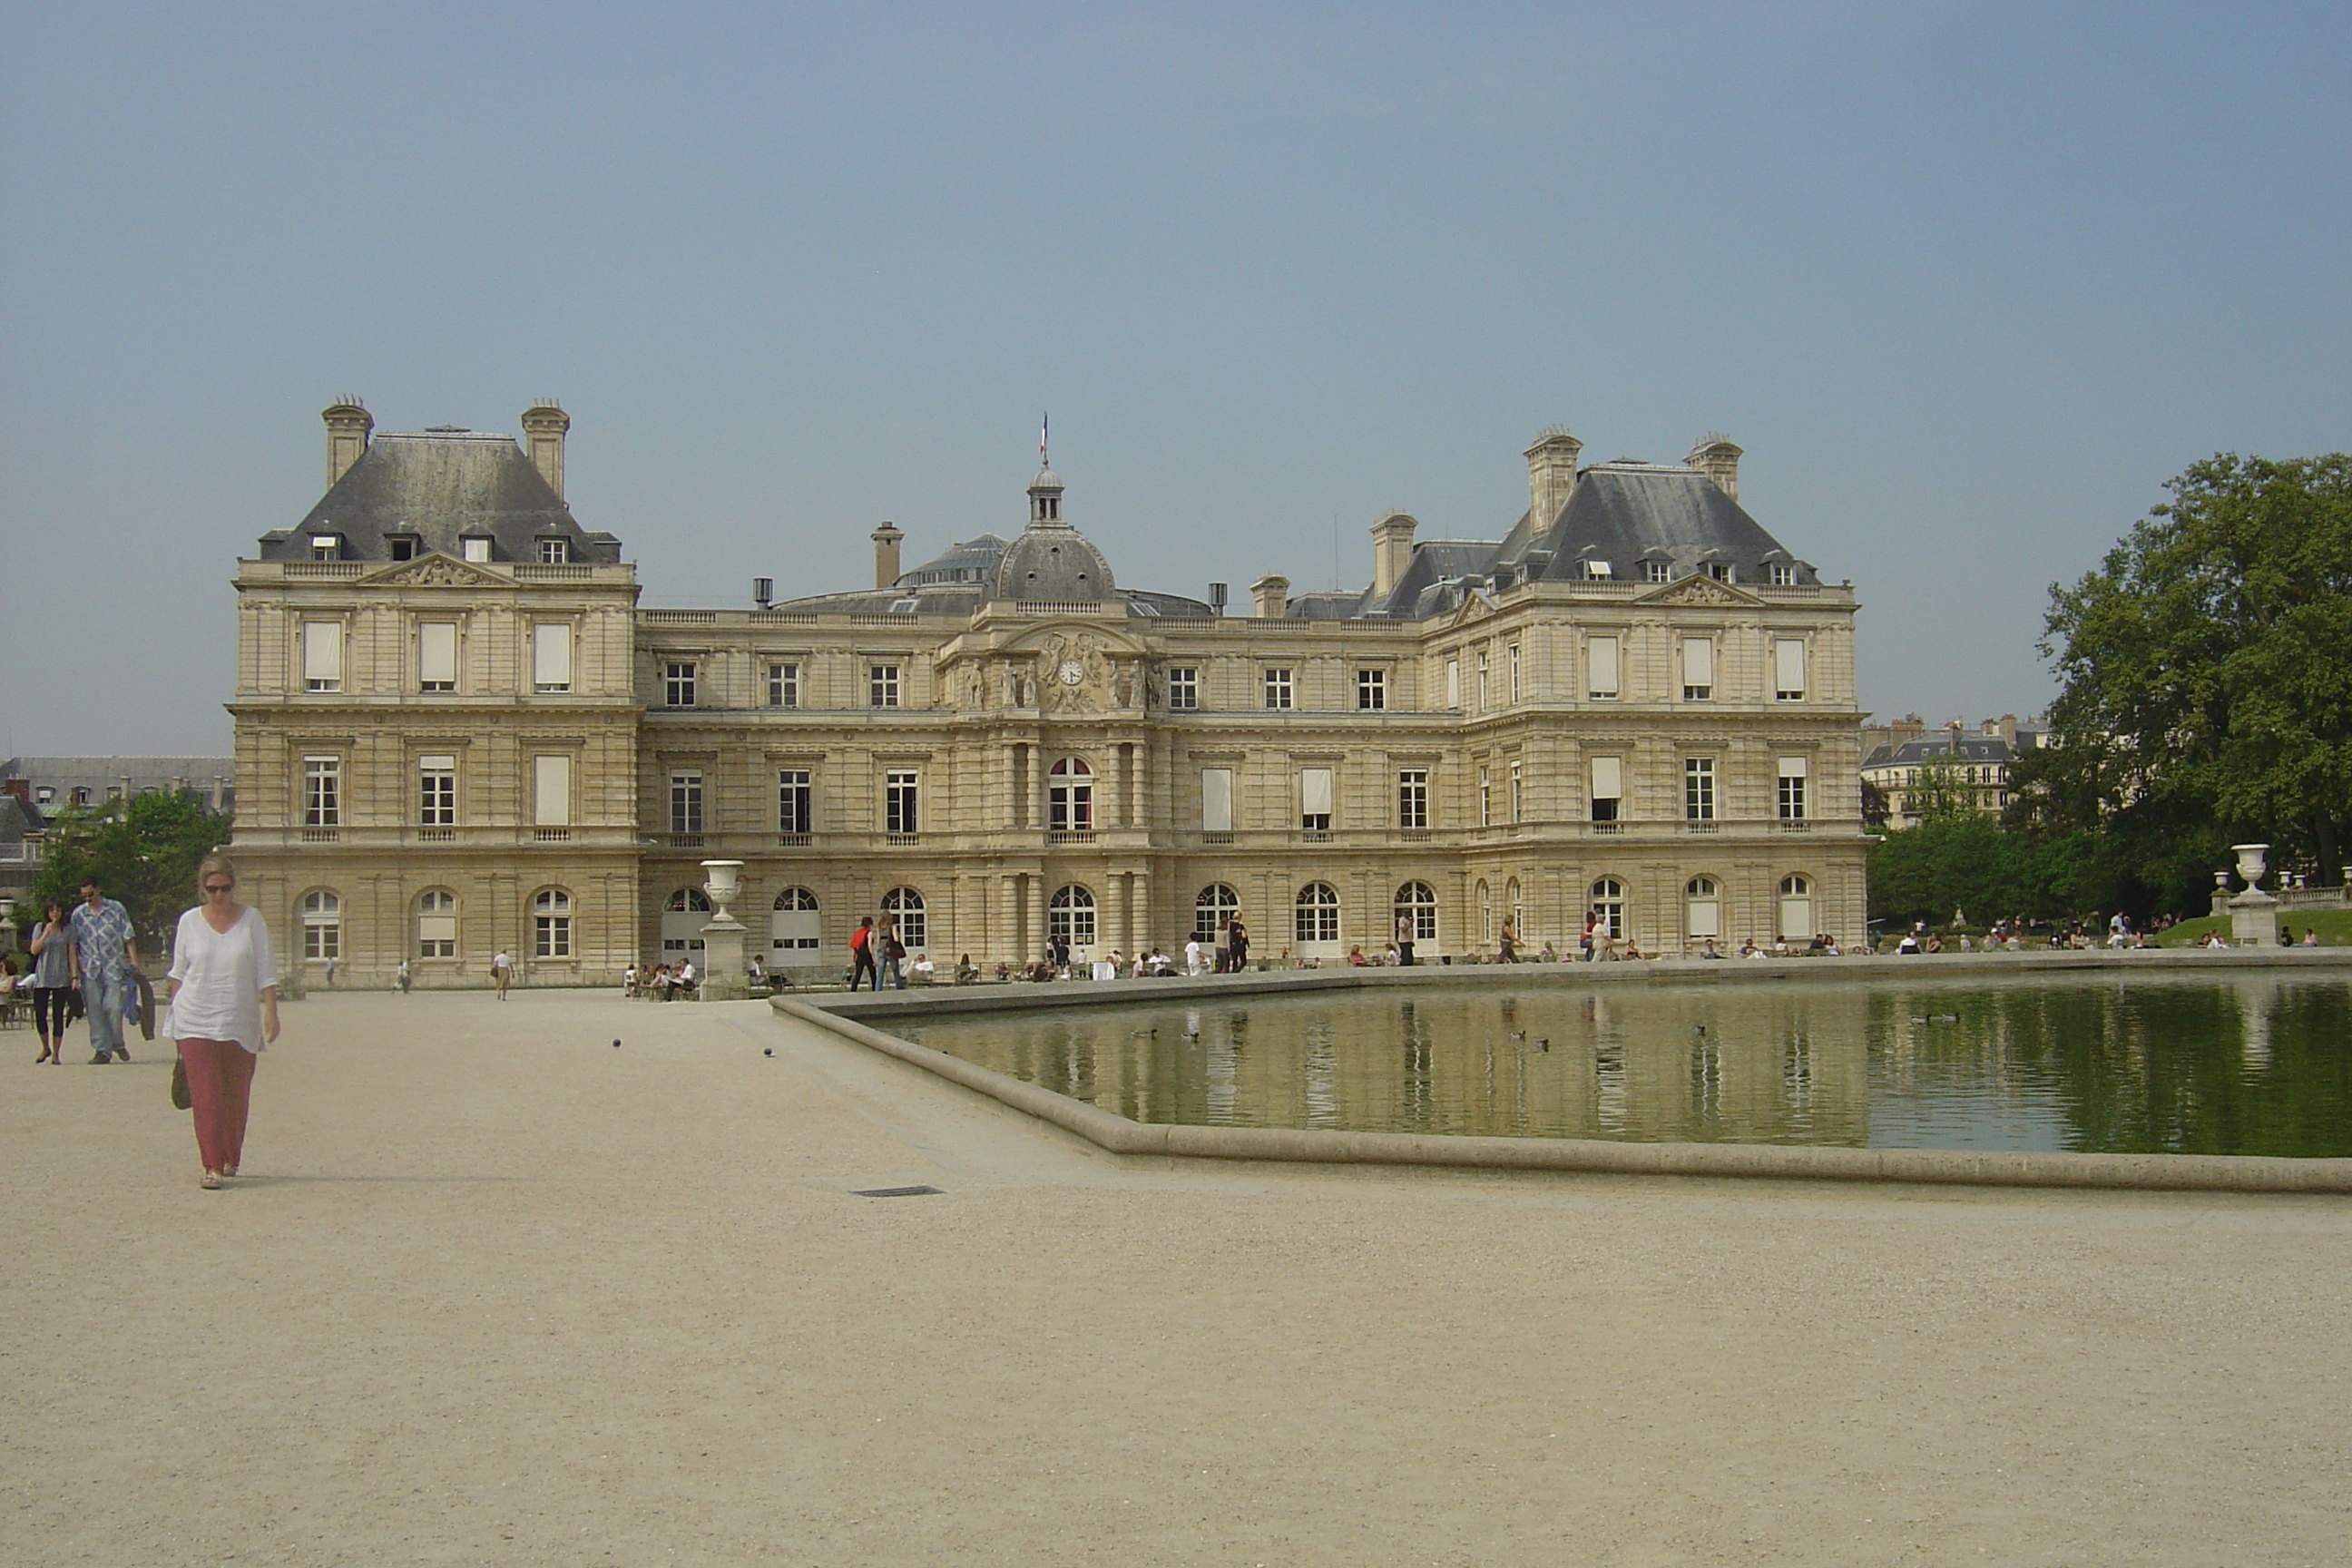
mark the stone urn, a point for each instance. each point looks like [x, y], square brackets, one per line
[2253, 914]
[2252, 862]
[722, 880]
[723, 935]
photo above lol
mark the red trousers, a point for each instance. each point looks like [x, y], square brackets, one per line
[220, 1092]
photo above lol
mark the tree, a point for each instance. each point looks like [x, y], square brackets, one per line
[144, 852]
[2207, 697]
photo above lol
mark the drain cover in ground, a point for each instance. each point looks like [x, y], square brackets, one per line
[894, 1192]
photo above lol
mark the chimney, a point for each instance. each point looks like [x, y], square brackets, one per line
[348, 424]
[1551, 474]
[886, 555]
[1392, 552]
[764, 591]
[2009, 730]
[1216, 598]
[1718, 459]
[544, 424]
[1269, 596]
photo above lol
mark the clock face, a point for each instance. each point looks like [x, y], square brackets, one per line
[1072, 672]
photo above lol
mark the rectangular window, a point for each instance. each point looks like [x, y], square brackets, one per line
[1784, 576]
[322, 655]
[1183, 686]
[686, 801]
[1698, 669]
[1454, 683]
[1601, 668]
[1792, 789]
[322, 791]
[677, 683]
[551, 789]
[1699, 789]
[1277, 688]
[1608, 788]
[326, 547]
[554, 552]
[475, 548]
[796, 804]
[1413, 798]
[1519, 791]
[1315, 800]
[784, 686]
[550, 656]
[437, 792]
[403, 547]
[1371, 691]
[1217, 800]
[882, 687]
[898, 802]
[1719, 569]
[436, 656]
[1656, 572]
[1788, 668]
[1486, 800]
[1515, 672]
[1483, 700]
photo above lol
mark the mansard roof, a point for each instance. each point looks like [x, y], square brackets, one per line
[440, 486]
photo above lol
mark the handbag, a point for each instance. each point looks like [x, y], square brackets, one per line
[180, 1100]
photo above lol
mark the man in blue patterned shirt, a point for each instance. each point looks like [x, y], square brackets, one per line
[105, 952]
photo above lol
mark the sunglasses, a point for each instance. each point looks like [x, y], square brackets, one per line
[220, 887]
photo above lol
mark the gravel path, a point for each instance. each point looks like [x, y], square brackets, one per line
[494, 1292]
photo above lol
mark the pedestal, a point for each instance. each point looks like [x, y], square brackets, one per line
[722, 961]
[2253, 919]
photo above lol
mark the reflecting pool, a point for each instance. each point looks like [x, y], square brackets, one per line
[2257, 1065]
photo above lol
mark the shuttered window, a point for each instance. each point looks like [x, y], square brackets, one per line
[1788, 668]
[551, 789]
[322, 655]
[1600, 666]
[550, 656]
[1698, 669]
[1217, 800]
[1315, 799]
[436, 656]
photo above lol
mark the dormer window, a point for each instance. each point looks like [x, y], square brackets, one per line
[1657, 572]
[403, 546]
[326, 547]
[554, 552]
[1784, 576]
[475, 547]
[1719, 569]
[1596, 570]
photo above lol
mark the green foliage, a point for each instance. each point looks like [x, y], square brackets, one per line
[2208, 698]
[1962, 862]
[144, 851]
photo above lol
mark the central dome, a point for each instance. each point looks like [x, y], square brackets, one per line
[1058, 565]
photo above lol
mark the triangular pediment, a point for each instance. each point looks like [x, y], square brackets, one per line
[435, 570]
[1476, 606]
[1697, 589]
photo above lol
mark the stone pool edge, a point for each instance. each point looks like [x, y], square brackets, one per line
[1117, 1135]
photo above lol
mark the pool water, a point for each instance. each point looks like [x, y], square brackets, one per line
[2257, 1065]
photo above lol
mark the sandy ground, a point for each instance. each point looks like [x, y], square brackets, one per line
[494, 1292]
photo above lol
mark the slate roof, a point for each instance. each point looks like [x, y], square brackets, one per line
[441, 485]
[1939, 748]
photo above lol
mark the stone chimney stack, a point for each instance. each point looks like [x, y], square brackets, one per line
[348, 425]
[1718, 459]
[885, 554]
[1392, 552]
[1269, 596]
[2009, 731]
[1551, 474]
[544, 425]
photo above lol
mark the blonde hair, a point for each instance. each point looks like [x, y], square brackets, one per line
[212, 863]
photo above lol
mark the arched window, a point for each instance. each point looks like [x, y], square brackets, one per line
[1607, 899]
[1070, 916]
[684, 914]
[1316, 917]
[794, 924]
[551, 924]
[1417, 902]
[907, 905]
[1214, 903]
[1485, 899]
[436, 923]
[322, 924]
[1702, 908]
[1070, 796]
[1796, 908]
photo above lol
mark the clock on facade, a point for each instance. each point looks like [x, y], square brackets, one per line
[1072, 672]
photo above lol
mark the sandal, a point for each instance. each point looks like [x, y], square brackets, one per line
[212, 1181]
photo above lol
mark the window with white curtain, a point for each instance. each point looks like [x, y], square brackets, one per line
[1608, 787]
[551, 789]
[1601, 667]
[1788, 668]
[1315, 799]
[550, 656]
[322, 655]
[1217, 800]
[436, 656]
[1698, 669]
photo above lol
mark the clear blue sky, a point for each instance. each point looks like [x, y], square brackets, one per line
[1968, 281]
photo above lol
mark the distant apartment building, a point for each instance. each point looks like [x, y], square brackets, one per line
[1905, 760]
[35, 790]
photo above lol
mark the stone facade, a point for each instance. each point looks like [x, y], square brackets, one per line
[438, 756]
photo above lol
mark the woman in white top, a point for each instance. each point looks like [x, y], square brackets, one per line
[223, 1011]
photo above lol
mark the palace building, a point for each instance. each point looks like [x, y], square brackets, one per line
[457, 730]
